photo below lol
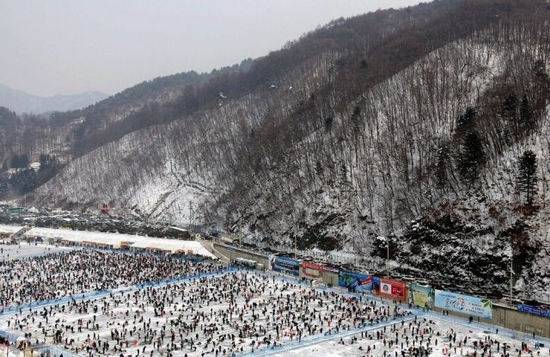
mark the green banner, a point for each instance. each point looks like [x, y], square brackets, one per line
[422, 296]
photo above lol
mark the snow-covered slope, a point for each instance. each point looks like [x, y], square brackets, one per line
[306, 159]
[170, 172]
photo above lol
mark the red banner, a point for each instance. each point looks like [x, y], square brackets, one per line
[393, 289]
[312, 270]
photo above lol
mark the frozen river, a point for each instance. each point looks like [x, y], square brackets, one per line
[25, 250]
[242, 313]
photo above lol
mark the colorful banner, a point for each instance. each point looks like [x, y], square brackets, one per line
[355, 281]
[534, 310]
[375, 283]
[422, 296]
[286, 265]
[465, 304]
[393, 289]
[312, 270]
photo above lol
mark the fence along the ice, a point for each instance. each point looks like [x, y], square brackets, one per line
[92, 295]
[518, 318]
[97, 294]
[45, 350]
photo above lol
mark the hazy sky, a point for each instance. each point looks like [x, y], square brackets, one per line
[67, 46]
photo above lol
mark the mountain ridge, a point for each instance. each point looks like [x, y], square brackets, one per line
[25, 103]
[369, 127]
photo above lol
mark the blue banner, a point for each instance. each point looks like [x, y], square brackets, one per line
[286, 265]
[355, 281]
[534, 310]
[465, 304]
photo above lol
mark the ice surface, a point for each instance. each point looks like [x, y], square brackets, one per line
[115, 239]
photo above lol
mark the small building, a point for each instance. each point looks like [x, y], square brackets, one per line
[125, 244]
[16, 210]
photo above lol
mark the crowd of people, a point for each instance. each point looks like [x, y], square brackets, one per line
[423, 337]
[58, 275]
[224, 314]
[219, 316]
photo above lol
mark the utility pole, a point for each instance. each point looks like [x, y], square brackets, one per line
[511, 270]
[388, 257]
[386, 265]
[295, 247]
[511, 274]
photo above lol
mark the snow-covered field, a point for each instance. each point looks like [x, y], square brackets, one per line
[442, 336]
[114, 239]
[26, 250]
[28, 282]
[230, 313]
[247, 313]
[8, 229]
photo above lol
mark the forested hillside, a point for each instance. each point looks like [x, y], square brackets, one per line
[428, 126]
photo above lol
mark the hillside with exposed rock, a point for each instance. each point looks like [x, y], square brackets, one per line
[404, 124]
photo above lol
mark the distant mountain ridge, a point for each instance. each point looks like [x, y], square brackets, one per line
[21, 102]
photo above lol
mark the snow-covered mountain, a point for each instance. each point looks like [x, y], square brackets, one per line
[21, 102]
[406, 124]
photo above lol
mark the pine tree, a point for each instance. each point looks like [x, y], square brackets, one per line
[441, 168]
[541, 82]
[527, 176]
[510, 104]
[20, 161]
[344, 172]
[510, 113]
[471, 157]
[466, 121]
[45, 161]
[318, 168]
[526, 115]
[356, 120]
[24, 181]
[356, 129]
[328, 123]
